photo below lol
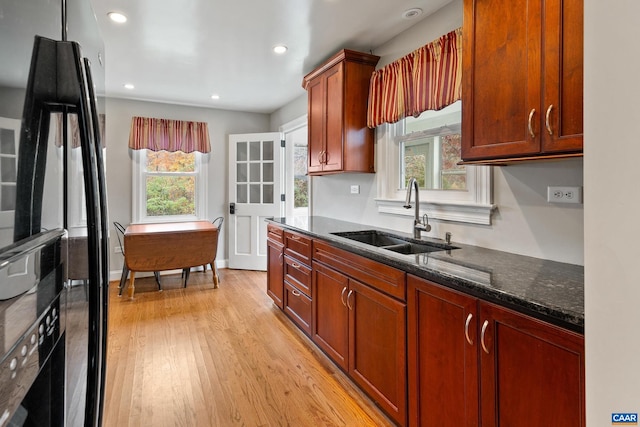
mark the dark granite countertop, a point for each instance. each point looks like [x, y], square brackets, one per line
[548, 290]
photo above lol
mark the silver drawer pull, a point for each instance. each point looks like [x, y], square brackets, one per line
[484, 330]
[348, 299]
[342, 296]
[533, 135]
[466, 328]
[547, 121]
[294, 265]
[295, 293]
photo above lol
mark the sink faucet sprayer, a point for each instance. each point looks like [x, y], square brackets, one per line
[418, 225]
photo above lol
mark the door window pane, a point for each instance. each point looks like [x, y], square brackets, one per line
[254, 193]
[241, 151]
[267, 150]
[255, 172]
[254, 150]
[242, 193]
[267, 193]
[267, 172]
[241, 172]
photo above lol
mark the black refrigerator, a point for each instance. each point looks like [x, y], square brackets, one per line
[53, 215]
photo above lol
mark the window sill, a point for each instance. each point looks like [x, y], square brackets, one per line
[471, 213]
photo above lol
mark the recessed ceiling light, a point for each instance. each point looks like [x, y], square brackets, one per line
[412, 13]
[280, 49]
[117, 17]
[215, 96]
[129, 86]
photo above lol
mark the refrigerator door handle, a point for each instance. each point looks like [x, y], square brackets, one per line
[104, 226]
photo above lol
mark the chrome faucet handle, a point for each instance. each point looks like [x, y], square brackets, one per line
[425, 222]
[447, 238]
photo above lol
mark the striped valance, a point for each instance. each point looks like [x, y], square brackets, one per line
[429, 78]
[169, 135]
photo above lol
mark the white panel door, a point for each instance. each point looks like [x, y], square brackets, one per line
[254, 194]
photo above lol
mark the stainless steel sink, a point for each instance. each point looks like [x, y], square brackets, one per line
[392, 242]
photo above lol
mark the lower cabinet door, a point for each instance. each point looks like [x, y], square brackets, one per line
[443, 358]
[329, 313]
[275, 272]
[532, 372]
[298, 307]
[377, 352]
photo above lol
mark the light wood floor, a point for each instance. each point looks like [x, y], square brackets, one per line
[220, 357]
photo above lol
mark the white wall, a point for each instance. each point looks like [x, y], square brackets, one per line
[524, 222]
[119, 162]
[612, 203]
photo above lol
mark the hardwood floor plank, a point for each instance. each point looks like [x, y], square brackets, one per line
[220, 357]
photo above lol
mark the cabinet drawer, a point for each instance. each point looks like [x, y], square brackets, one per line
[380, 276]
[298, 246]
[298, 307]
[297, 274]
[275, 233]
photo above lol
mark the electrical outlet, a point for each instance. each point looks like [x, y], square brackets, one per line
[118, 249]
[564, 194]
[355, 189]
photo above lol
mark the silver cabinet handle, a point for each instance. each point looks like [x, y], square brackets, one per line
[466, 329]
[280, 257]
[533, 111]
[320, 157]
[342, 296]
[484, 330]
[547, 122]
[326, 157]
[295, 293]
[294, 265]
[293, 237]
[348, 297]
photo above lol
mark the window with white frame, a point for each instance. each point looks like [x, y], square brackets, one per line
[427, 147]
[168, 186]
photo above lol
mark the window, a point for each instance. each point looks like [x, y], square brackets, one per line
[168, 186]
[297, 182]
[430, 150]
[428, 147]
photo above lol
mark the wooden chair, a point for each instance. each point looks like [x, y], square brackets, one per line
[120, 229]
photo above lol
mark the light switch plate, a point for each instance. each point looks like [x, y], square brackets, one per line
[355, 189]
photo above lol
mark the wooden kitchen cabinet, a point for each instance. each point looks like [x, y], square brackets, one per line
[532, 373]
[339, 139]
[297, 279]
[522, 79]
[474, 363]
[443, 356]
[275, 267]
[364, 332]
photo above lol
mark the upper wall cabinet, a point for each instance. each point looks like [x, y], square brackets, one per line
[338, 90]
[522, 79]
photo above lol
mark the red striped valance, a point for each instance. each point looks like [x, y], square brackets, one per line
[428, 78]
[170, 135]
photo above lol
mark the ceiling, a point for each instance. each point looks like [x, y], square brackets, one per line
[184, 51]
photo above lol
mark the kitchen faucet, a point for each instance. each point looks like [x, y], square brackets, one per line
[418, 226]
